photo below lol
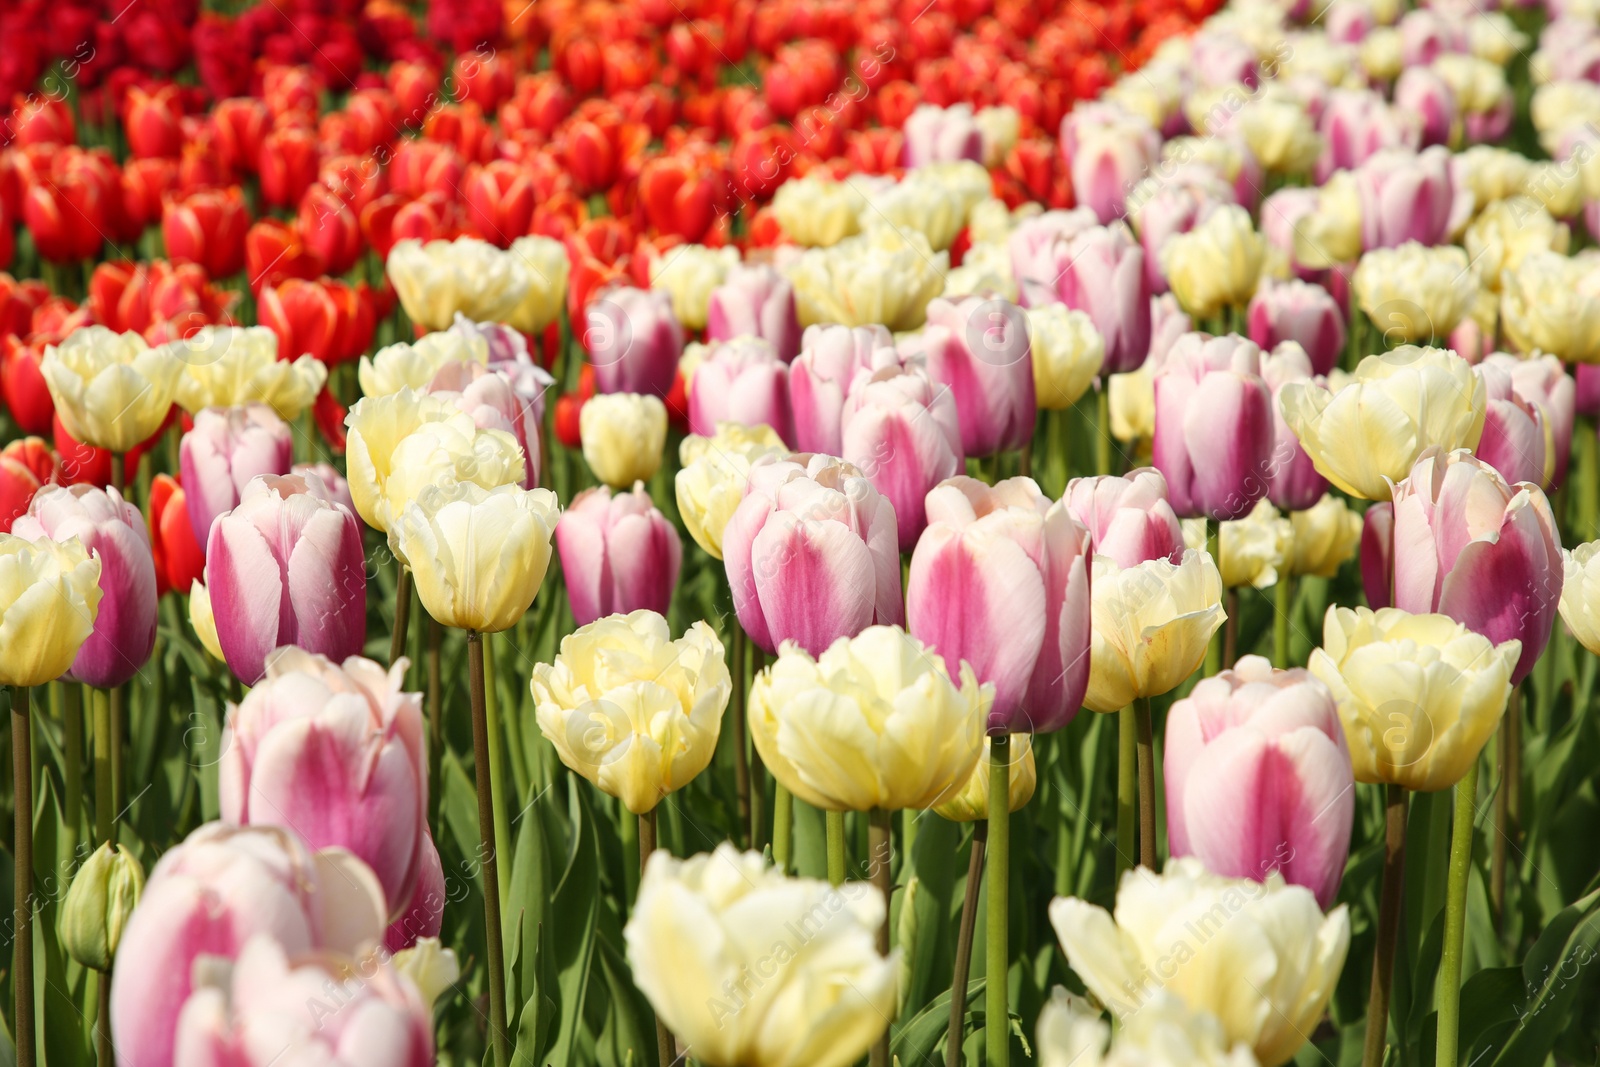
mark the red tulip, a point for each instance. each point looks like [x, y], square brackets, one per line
[68, 213]
[485, 78]
[180, 560]
[499, 202]
[679, 196]
[18, 301]
[151, 122]
[374, 114]
[421, 167]
[416, 89]
[290, 91]
[208, 228]
[355, 179]
[288, 166]
[41, 120]
[145, 184]
[541, 102]
[27, 397]
[238, 127]
[329, 228]
[273, 251]
[25, 466]
[304, 315]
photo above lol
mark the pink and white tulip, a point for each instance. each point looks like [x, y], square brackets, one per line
[1101, 273]
[1421, 91]
[1035, 248]
[941, 135]
[980, 351]
[618, 554]
[494, 402]
[1173, 204]
[1359, 123]
[1107, 151]
[740, 381]
[1129, 518]
[634, 341]
[1214, 432]
[1302, 312]
[1405, 196]
[902, 430]
[1294, 483]
[820, 378]
[225, 450]
[1377, 555]
[1515, 434]
[755, 301]
[1543, 381]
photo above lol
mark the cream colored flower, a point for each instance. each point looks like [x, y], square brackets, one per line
[544, 263]
[1259, 956]
[1325, 535]
[438, 279]
[1217, 264]
[477, 556]
[1479, 85]
[632, 710]
[883, 276]
[1367, 430]
[49, 599]
[1493, 37]
[985, 271]
[1551, 303]
[972, 802]
[229, 366]
[752, 969]
[1280, 133]
[1561, 188]
[1163, 1033]
[446, 452]
[1418, 694]
[919, 203]
[1580, 594]
[1067, 354]
[1562, 106]
[1150, 626]
[875, 722]
[713, 474]
[1491, 173]
[1256, 548]
[1131, 398]
[1382, 54]
[412, 365]
[1506, 232]
[1001, 127]
[431, 967]
[1331, 235]
[110, 389]
[1415, 293]
[815, 211]
[203, 620]
[624, 435]
[688, 273]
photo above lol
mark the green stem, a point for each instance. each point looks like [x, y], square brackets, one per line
[119, 480]
[1127, 788]
[104, 802]
[1230, 631]
[1455, 918]
[22, 915]
[666, 1047]
[741, 758]
[880, 850]
[483, 765]
[969, 921]
[1102, 437]
[632, 856]
[1214, 546]
[782, 826]
[105, 1049]
[497, 768]
[402, 614]
[834, 823]
[1283, 604]
[72, 767]
[1394, 868]
[997, 961]
[1147, 784]
[118, 721]
[435, 695]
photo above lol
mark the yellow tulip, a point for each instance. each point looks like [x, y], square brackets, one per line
[445, 452]
[624, 435]
[1415, 293]
[1150, 626]
[1371, 430]
[412, 365]
[436, 280]
[1067, 354]
[203, 621]
[1131, 397]
[1331, 234]
[752, 969]
[547, 270]
[875, 722]
[885, 276]
[1217, 264]
[920, 202]
[49, 598]
[1325, 535]
[477, 556]
[712, 476]
[1507, 232]
[1259, 956]
[1255, 549]
[377, 425]
[1580, 594]
[632, 710]
[688, 273]
[816, 212]
[111, 389]
[1280, 133]
[1418, 694]
[972, 803]
[227, 366]
[1549, 304]
[1163, 1033]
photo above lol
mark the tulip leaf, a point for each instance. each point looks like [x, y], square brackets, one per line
[539, 1011]
[530, 896]
[921, 1038]
[630, 1024]
[935, 860]
[1556, 973]
[1490, 1004]
[575, 908]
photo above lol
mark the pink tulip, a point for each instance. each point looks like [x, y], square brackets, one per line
[1586, 389]
[1035, 247]
[1484, 552]
[508, 354]
[112, 529]
[225, 450]
[426, 914]
[1281, 216]
[1349, 23]
[755, 301]
[740, 381]
[1168, 322]
[941, 135]
[1570, 49]
[618, 554]
[1426, 35]
[820, 378]
[335, 753]
[1423, 92]
[1487, 127]
[1101, 273]
[1258, 778]
[1107, 150]
[1543, 382]
[1293, 482]
[334, 482]
[286, 567]
[1357, 124]
[1405, 196]
[812, 553]
[1377, 555]
[979, 350]
[634, 341]
[208, 897]
[494, 403]
[1001, 580]
[1301, 312]
[1129, 518]
[902, 430]
[273, 1008]
[1514, 429]
[1214, 433]
[1177, 203]
[1221, 58]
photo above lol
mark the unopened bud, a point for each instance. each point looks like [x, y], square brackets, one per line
[103, 894]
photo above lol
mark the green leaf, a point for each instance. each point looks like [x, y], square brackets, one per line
[577, 902]
[1556, 973]
[921, 1039]
[535, 1023]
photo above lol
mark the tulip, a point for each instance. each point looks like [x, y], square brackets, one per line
[1101, 273]
[971, 803]
[1412, 293]
[103, 894]
[1516, 438]
[1209, 391]
[287, 165]
[1128, 518]
[1167, 204]
[1301, 312]
[1508, 231]
[1280, 132]
[1285, 802]
[330, 229]
[1162, 1033]
[496, 402]
[547, 269]
[286, 567]
[699, 919]
[979, 350]
[26, 465]
[755, 301]
[1580, 594]
[902, 453]
[623, 437]
[48, 607]
[111, 390]
[740, 381]
[1543, 384]
[226, 449]
[208, 897]
[885, 276]
[712, 475]
[815, 212]
[67, 213]
[1006, 553]
[618, 554]
[1405, 196]
[1325, 535]
[1261, 957]
[112, 530]
[413, 365]
[1485, 553]
[22, 382]
[1293, 481]
[633, 341]
[1217, 264]
[202, 620]
[1107, 158]
[1421, 91]
[890, 728]
[274, 252]
[230, 366]
[208, 228]
[811, 553]
[630, 709]
[438, 279]
[1395, 406]
[821, 375]
[1149, 627]
[1545, 307]
[1253, 550]
[689, 274]
[938, 135]
[1419, 695]
[335, 754]
[179, 557]
[1357, 125]
[1067, 354]
[270, 1007]
[1329, 234]
[499, 200]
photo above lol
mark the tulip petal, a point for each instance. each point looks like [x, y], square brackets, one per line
[818, 580]
[247, 596]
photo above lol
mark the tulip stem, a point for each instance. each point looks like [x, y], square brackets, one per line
[1283, 595]
[119, 479]
[1394, 866]
[782, 826]
[22, 916]
[1147, 784]
[72, 765]
[969, 920]
[118, 717]
[1214, 648]
[880, 848]
[1455, 917]
[1505, 802]
[106, 1050]
[1230, 631]
[1102, 437]
[497, 763]
[104, 802]
[834, 822]
[666, 1047]
[741, 758]
[483, 766]
[402, 614]
[997, 1009]
[1127, 789]
[435, 701]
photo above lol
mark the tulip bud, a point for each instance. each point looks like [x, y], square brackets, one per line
[1301, 312]
[740, 381]
[1067, 354]
[1543, 384]
[755, 301]
[979, 350]
[821, 375]
[634, 341]
[1254, 549]
[1325, 535]
[26, 465]
[1101, 273]
[1580, 594]
[623, 437]
[901, 430]
[102, 896]
[1405, 196]
[1293, 481]
[226, 449]
[618, 554]
[208, 228]
[712, 475]
[971, 804]
[1209, 390]
[1516, 438]
[1107, 157]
